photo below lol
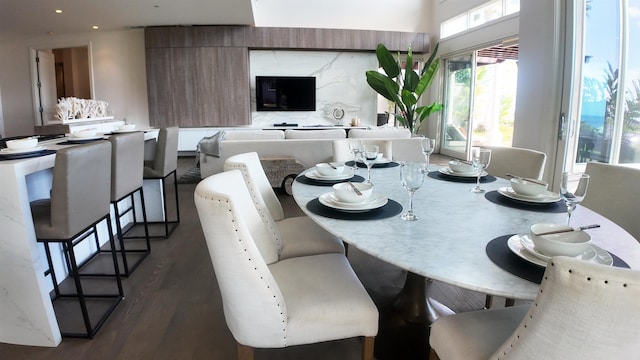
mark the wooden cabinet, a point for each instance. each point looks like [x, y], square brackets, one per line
[199, 75]
[201, 86]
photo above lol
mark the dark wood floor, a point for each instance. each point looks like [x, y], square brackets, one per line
[173, 309]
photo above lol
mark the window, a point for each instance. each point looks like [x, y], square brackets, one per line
[475, 17]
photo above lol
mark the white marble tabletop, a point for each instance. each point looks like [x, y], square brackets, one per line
[448, 242]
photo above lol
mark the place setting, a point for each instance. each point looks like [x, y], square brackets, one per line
[527, 254]
[82, 137]
[462, 171]
[354, 201]
[527, 194]
[329, 173]
[23, 148]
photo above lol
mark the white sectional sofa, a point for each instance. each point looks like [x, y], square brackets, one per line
[294, 150]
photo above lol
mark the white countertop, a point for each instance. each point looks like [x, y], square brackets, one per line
[448, 242]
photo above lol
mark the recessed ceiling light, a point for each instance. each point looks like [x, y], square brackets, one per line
[95, 27]
[58, 11]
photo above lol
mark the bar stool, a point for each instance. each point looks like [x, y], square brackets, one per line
[164, 164]
[127, 158]
[79, 203]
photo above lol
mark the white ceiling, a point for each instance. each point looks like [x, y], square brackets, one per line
[38, 17]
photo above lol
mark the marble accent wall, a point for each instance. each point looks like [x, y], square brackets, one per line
[340, 83]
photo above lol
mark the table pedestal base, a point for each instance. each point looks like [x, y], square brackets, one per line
[404, 323]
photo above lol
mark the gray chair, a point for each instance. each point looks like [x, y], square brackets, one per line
[163, 165]
[583, 311]
[613, 192]
[79, 202]
[127, 158]
[516, 161]
[268, 301]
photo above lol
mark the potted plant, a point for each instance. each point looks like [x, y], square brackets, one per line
[405, 90]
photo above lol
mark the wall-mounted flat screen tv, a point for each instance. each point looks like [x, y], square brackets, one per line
[285, 93]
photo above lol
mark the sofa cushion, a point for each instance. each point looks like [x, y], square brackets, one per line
[315, 134]
[253, 135]
[386, 133]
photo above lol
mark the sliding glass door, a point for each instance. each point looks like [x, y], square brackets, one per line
[480, 93]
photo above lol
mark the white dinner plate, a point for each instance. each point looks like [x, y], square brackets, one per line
[315, 175]
[447, 171]
[374, 202]
[544, 198]
[517, 246]
[8, 151]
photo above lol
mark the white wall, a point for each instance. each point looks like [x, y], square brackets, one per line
[340, 83]
[118, 72]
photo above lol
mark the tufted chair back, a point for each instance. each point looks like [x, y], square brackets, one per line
[127, 161]
[240, 248]
[583, 311]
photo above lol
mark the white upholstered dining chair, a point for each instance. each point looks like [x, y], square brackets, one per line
[268, 301]
[582, 311]
[295, 236]
[613, 192]
[517, 161]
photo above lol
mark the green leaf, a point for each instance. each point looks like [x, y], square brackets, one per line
[382, 85]
[431, 58]
[408, 98]
[386, 60]
[411, 80]
[427, 77]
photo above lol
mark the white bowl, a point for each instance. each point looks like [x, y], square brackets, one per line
[571, 243]
[19, 144]
[326, 170]
[345, 193]
[85, 133]
[527, 188]
[460, 167]
[127, 127]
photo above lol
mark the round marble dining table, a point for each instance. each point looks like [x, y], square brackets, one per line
[448, 242]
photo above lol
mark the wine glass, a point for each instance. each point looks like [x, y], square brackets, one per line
[355, 145]
[480, 159]
[573, 188]
[428, 145]
[368, 155]
[411, 177]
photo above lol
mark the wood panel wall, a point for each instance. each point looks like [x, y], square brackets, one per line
[199, 75]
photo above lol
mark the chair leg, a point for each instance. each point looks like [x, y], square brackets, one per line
[244, 352]
[488, 302]
[367, 347]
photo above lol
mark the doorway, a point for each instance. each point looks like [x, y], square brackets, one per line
[58, 73]
[480, 93]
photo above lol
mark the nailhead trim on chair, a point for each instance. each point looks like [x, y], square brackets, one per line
[284, 320]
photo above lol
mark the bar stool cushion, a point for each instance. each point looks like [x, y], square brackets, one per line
[80, 193]
[126, 163]
[165, 159]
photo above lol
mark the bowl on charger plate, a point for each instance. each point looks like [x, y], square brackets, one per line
[127, 127]
[345, 193]
[527, 188]
[85, 133]
[460, 167]
[571, 243]
[21, 144]
[326, 169]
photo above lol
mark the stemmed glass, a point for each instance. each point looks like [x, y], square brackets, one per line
[368, 154]
[573, 188]
[411, 177]
[428, 145]
[480, 159]
[355, 145]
